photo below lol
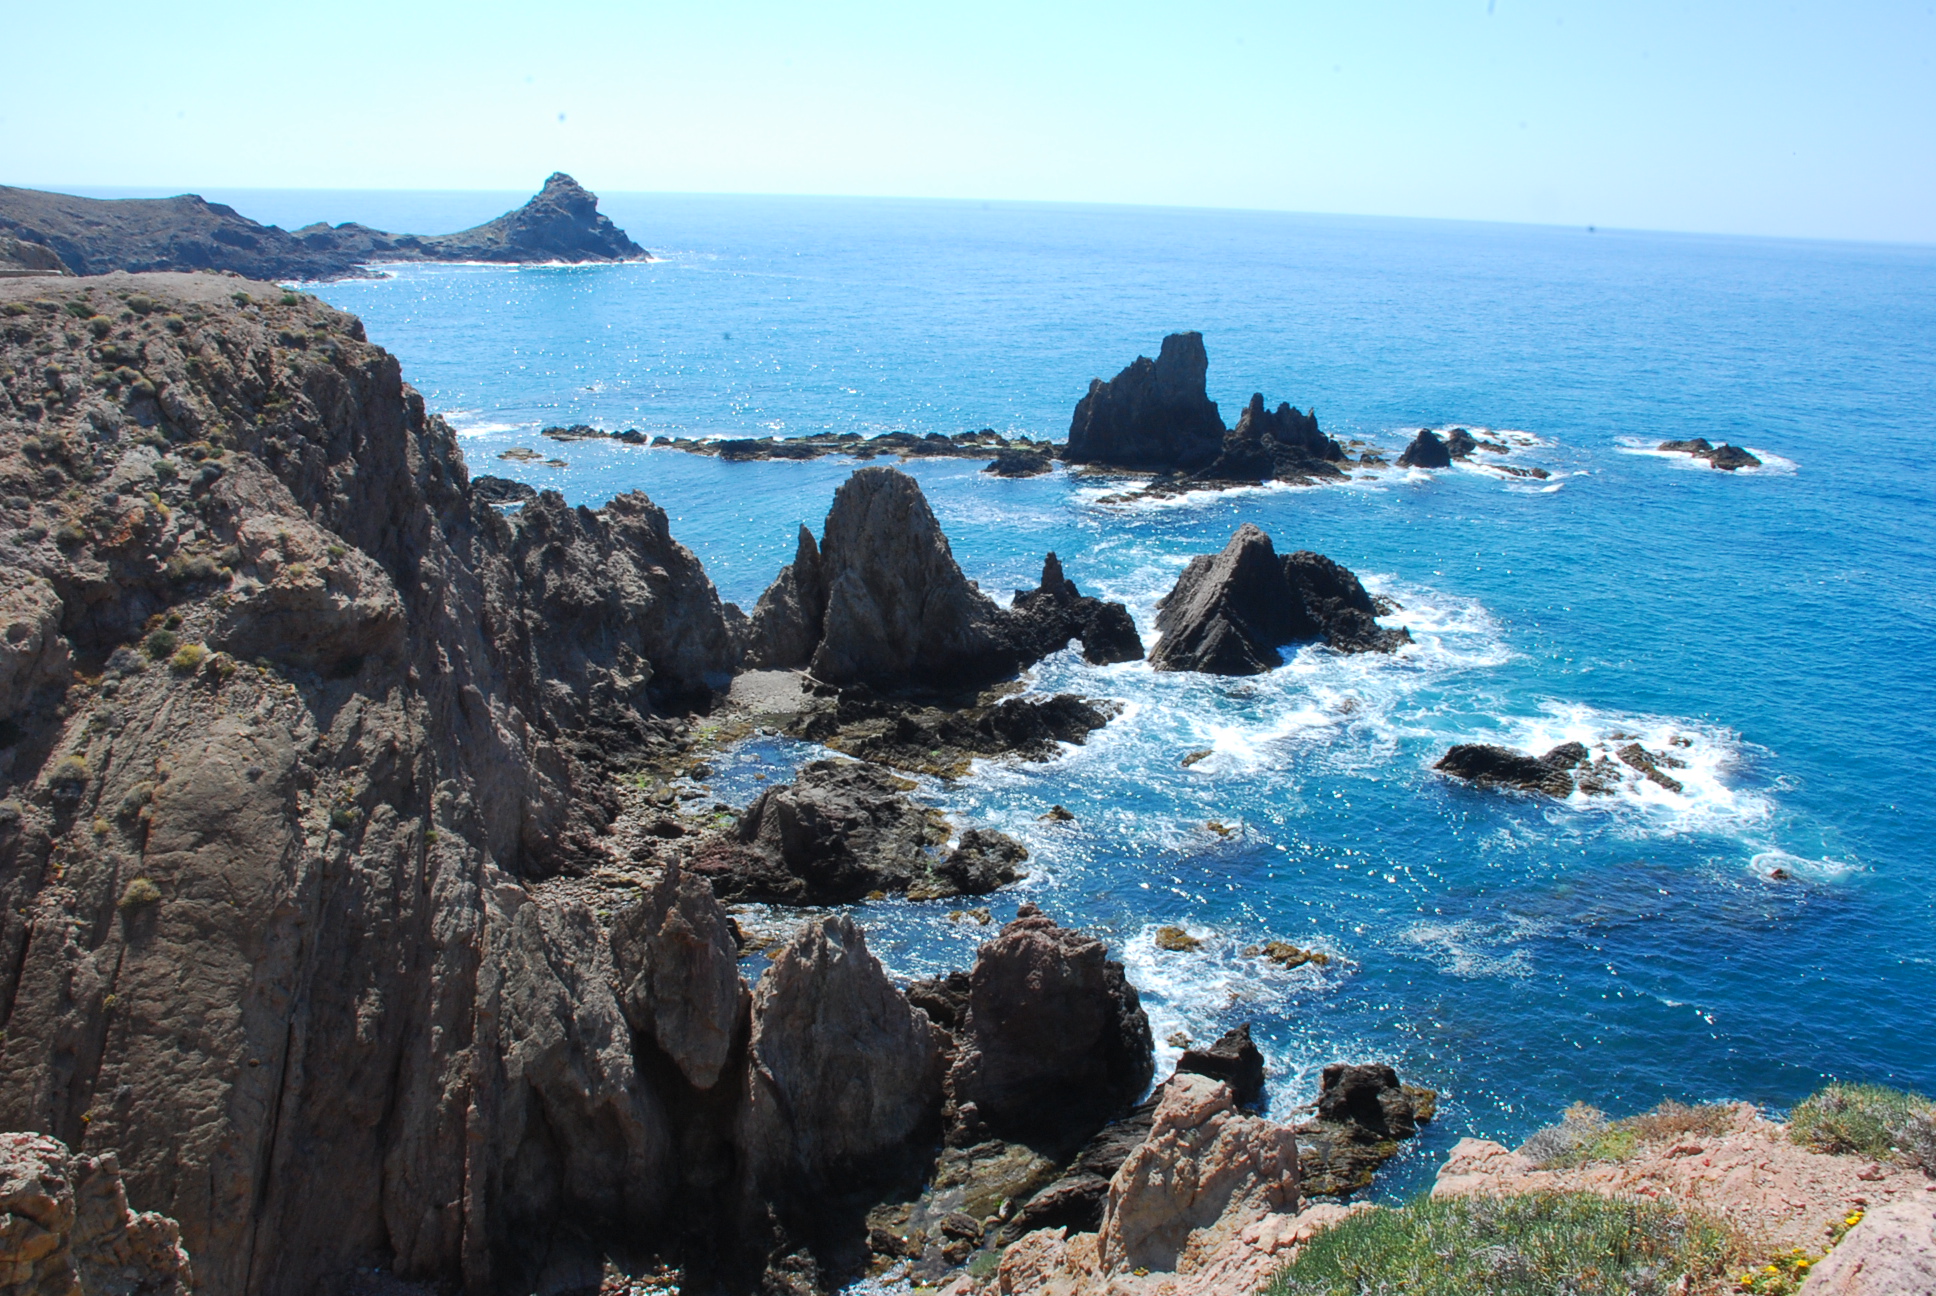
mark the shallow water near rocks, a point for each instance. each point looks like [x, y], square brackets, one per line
[1769, 628]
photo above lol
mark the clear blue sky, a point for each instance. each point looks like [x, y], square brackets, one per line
[1811, 119]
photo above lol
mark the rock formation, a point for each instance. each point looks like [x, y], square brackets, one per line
[944, 741]
[1233, 1059]
[882, 603]
[676, 959]
[1892, 1250]
[1155, 415]
[502, 490]
[1054, 1036]
[843, 830]
[1427, 450]
[1362, 1114]
[1229, 612]
[19, 259]
[94, 236]
[66, 1229]
[1281, 445]
[1019, 463]
[1726, 457]
[1487, 766]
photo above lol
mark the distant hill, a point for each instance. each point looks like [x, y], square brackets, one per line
[93, 236]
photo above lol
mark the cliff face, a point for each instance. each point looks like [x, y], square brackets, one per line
[292, 725]
[94, 236]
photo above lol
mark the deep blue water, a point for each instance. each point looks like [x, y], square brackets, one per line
[1518, 954]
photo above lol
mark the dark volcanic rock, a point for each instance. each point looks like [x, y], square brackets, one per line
[883, 604]
[1055, 1039]
[944, 740]
[1460, 443]
[1362, 1113]
[502, 490]
[1488, 765]
[1725, 457]
[1019, 463]
[982, 861]
[1426, 451]
[1154, 415]
[677, 967]
[1075, 1198]
[94, 236]
[1282, 445]
[1234, 1059]
[1229, 611]
[786, 622]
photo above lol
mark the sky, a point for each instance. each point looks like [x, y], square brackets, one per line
[1812, 120]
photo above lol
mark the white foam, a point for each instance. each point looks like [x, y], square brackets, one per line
[1767, 862]
[1472, 950]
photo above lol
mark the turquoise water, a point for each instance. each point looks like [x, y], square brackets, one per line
[1519, 954]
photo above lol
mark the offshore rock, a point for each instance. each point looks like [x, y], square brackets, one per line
[1488, 766]
[1460, 443]
[786, 622]
[883, 604]
[1019, 463]
[1229, 611]
[1728, 458]
[944, 740]
[1426, 451]
[845, 1084]
[66, 1229]
[1155, 415]
[1203, 1160]
[677, 966]
[502, 491]
[1281, 445]
[1362, 1113]
[1054, 1042]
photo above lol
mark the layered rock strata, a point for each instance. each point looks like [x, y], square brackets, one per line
[1229, 612]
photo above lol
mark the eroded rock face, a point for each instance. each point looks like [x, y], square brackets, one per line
[1055, 611]
[677, 966]
[66, 1229]
[845, 1072]
[1234, 1059]
[1054, 1040]
[1203, 1160]
[1488, 765]
[1427, 450]
[786, 622]
[1229, 612]
[1154, 415]
[33, 652]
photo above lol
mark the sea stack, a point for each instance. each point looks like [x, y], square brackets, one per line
[1154, 416]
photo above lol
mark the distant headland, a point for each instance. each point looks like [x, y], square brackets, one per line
[94, 236]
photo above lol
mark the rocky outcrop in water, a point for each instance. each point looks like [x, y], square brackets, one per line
[945, 740]
[1234, 1059]
[66, 1229]
[1053, 1039]
[1728, 458]
[1155, 415]
[1488, 765]
[1275, 445]
[882, 603]
[1362, 1113]
[1229, 612]
[1427, 450]
[1019, 463]
[94, 236]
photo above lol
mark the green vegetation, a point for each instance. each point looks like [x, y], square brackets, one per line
[240, 299]
[1531, 1244]
[291, 299]
[141, 303]
[160, 644]
[1585, 1134]
[82, 309]
[138, 893]
[1869, 1120]
[188, 658]
[100, 326]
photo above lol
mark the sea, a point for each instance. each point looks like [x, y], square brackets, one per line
[1768, 926]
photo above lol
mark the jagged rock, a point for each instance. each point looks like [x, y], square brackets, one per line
[1055, 1039]
[1636, 757]
[678, 979]
[1284, 445]
[786, 622]
[981, 862]
[1229, 611]
[66, 1229]
[95, 236]
[1203, 1160]
[1426, 451]
[1362, 1113]
[945, 740]
[502, 490]
[1488, 765]
[1233, 1059]
[33, 652]
[1154, 415]
[845, 1076]
[1055, 611]
[1019, 463]
[1725, 457]
[1460, 443]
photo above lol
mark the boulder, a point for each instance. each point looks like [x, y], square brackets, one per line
[982, 861]
[845, 1082]
[1488, 765]
[66, 1229]
[677, 967]
[1054, 1041]
[1892, 1251]
[1233, 1059]
[1362, 1113]
[1460, 443]
[1155, 415]
[1228, 612]
[786, 622]
[1203, 1160]
[1730, 457]
[1426, 451]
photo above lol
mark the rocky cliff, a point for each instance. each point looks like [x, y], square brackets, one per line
[94, 236]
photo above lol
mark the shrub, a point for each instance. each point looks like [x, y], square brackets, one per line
[80, 309]
[291, 299]
[100, 326]
[141, 303]
[175, 323]
[160, 644]
[1585, 1134]
[1872, 1120]
[138, 893]
[240, 299]
[69, 769]
[1530, 1244]
[188, 659]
